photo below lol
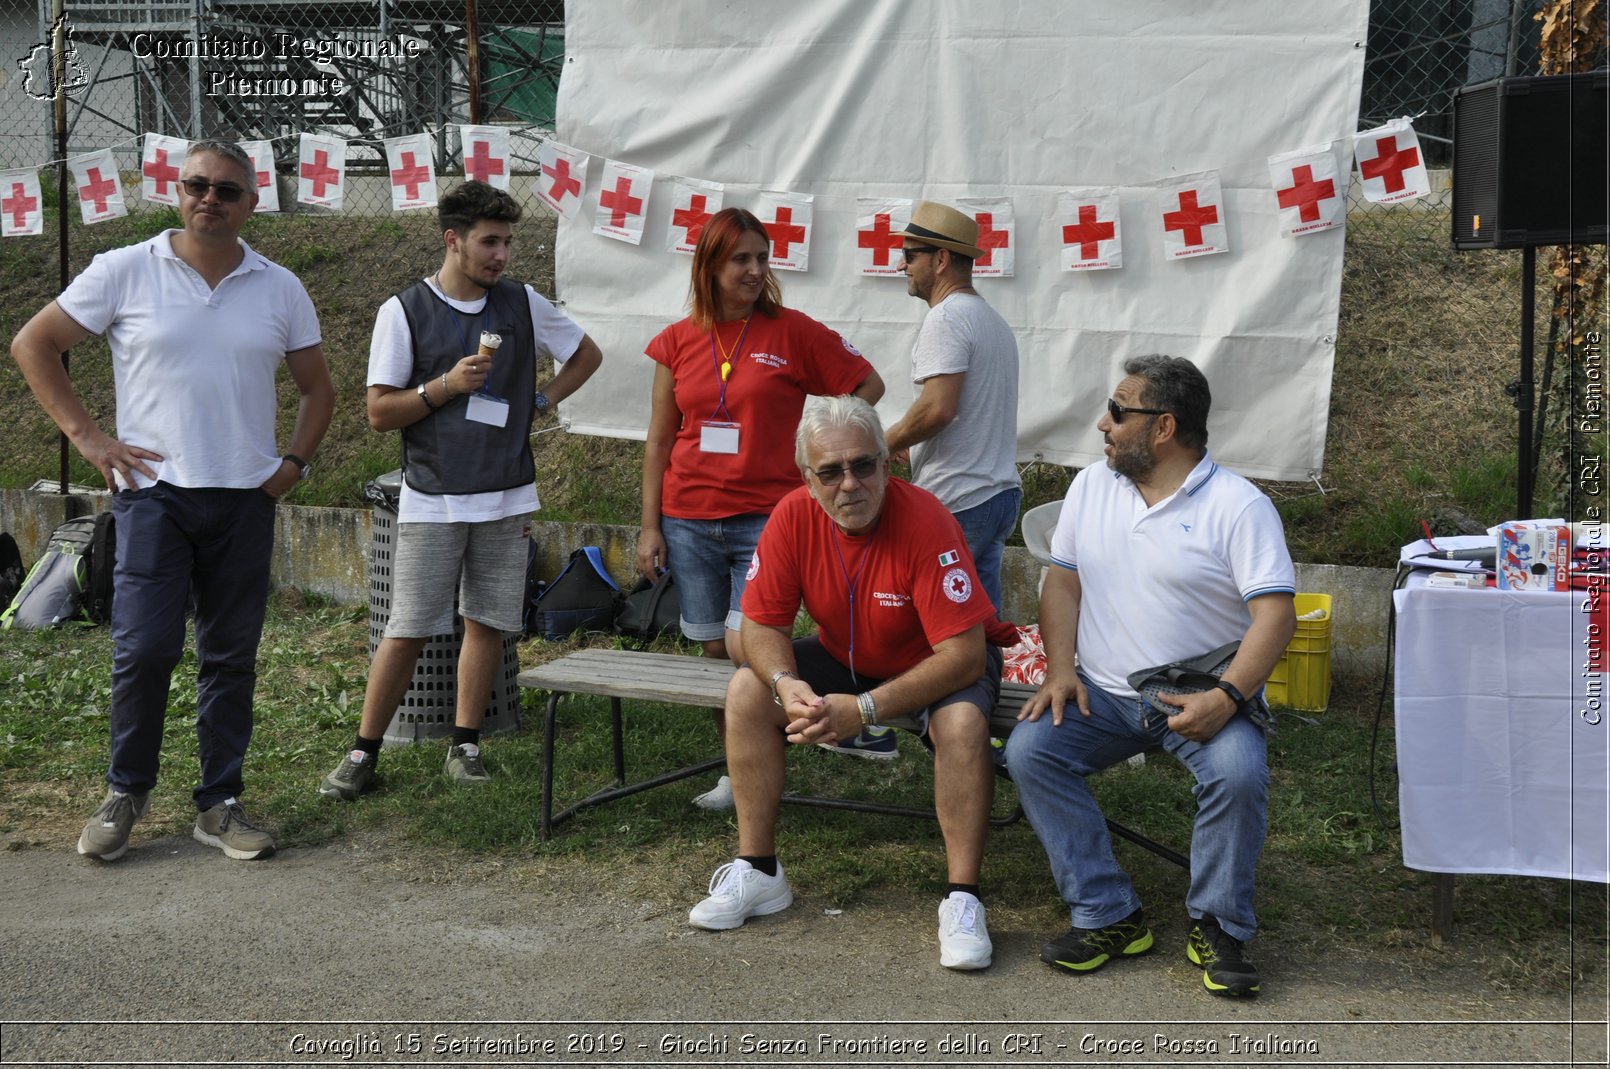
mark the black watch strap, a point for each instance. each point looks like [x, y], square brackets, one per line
[1235, 695]
[302, 466]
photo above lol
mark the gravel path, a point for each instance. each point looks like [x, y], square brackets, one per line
[355, 954]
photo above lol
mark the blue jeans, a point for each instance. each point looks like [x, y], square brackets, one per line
[1049, 765]
[711, 561]
[175, 547]
[986, 528]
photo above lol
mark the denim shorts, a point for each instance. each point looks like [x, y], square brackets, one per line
[711, 561]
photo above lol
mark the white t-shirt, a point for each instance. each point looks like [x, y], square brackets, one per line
[975, 456]
[194, 367]
[1169, 582]
[391, 363]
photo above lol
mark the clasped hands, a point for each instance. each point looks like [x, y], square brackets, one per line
[815, 718]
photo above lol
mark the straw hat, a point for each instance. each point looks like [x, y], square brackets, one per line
[945, 227]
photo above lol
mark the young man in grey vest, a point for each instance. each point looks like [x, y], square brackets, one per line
[453, 365]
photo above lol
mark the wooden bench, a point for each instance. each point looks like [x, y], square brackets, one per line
[675, 679]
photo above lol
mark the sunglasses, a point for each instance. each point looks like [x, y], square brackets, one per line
[863, 468]
[228, 192]
[1118, 411]
[911, 252]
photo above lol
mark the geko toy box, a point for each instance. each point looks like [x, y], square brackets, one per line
[1533, 556]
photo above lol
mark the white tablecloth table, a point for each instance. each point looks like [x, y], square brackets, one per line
[1503, 758]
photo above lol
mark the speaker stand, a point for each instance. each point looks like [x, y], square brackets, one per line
[1523, 389]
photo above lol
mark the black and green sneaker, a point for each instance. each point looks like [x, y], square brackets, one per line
[1085, 950]
[1224, 970]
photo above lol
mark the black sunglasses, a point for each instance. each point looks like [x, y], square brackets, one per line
[1118, 411]
[228, 192]
[911, 252]
[862, 468]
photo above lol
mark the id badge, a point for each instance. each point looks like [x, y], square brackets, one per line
[715, 437]
[485, 408]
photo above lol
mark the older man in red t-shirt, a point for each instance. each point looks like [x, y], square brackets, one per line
[883, 569]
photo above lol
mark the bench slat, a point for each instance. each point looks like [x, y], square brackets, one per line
[675, 679]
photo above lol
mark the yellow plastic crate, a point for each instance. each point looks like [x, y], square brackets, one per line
[1302, 678]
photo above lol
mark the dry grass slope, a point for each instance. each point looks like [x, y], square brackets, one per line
[1420, 427]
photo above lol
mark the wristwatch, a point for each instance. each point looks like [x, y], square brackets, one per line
[303, 466]
[1235, 695]
[776, 678]
[541, 403]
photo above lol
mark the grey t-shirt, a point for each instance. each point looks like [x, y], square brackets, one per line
[975, 457]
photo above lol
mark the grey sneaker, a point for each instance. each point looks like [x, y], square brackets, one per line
[226, 826]
[355, 775]
[106, 836]
[464, 766]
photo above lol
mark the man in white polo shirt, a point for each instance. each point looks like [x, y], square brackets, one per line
[1162, 556]
[198, 325]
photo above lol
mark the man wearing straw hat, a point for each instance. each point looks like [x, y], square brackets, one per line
[962, 429]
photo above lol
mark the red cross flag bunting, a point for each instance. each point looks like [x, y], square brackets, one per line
[261, 154]
[561, 177]
[622, 202]
[1088, 229]
[160, 163]
[100, 194]
[321, 171]
[878, 222]
[1390, 163]
[486, 154]
[20, 214]
[1310, 189]
[412, 170]
[1193, 216]
[787, 218]
[692, 204]
[997, 235]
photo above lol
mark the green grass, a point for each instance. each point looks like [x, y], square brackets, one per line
[1331, 878]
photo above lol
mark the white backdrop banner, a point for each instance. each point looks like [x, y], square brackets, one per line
[957, 101]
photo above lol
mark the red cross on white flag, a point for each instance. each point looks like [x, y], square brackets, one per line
[878, 222]
[692, 204]
[412, 171]
[160, 163]
[561, 177]
[321, 171]
[997, 235]
[261, 153]
[787, 219]
[1390, 163]
[20, 212]
[1088, 229]
[100, 194]
[1193, 216]
[1310, 190]
[486, 154]
[622, 202]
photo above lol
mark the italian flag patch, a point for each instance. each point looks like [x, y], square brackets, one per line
[948, 558]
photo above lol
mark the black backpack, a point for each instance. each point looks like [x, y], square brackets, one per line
[581, 598]
[649, 610]
[12, 571]
[72, 581]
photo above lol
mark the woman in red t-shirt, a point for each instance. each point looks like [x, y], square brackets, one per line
[730, 382]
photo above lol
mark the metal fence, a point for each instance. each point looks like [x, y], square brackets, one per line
[360, 70]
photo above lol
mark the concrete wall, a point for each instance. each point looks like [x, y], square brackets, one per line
[326, 551]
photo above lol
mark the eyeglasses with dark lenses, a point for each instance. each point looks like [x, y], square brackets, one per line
[911, 252]
[1118, 411]
[228, 192]
[863, 468]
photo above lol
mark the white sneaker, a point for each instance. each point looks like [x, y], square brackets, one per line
[963, 938]
[717, 797]
[739, 891]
